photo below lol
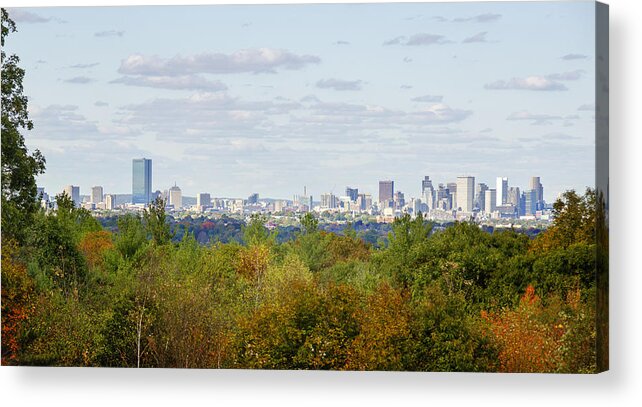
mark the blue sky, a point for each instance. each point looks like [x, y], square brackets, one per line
[232, 100]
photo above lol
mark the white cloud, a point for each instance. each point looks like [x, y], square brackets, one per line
[339, 84]
[184, 82]
[81, 80]
[529, 83]
[428, 98]
[24, 16]
[256, 60]
[418, 40]
[109, 33]
[479, 37]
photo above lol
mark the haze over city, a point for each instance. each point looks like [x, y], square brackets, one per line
[233, 100]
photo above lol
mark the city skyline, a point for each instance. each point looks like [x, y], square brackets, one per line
[456, 91]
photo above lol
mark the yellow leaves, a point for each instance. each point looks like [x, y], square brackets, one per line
[252, 261]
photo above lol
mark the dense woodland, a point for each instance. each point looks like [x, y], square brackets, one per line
[458, 299]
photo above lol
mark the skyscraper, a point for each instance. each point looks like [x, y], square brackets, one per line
[386, 191]
[73, 192]
[141, 181]
[353, 193]
[536, 186]
[176, 197]
[465, 193]
[491, 201]
[513, 196]
[502, 191]
[480, 195]
[97, 194]
[203, 200]
[530, 202]
[110, 201]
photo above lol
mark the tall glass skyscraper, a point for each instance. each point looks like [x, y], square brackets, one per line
[141, 181]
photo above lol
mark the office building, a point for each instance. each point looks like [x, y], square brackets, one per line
[386, 192]
[399, 199]
[73, 192]
[110, 201]
[176, 197]
[203, 200]
[536, 186]
[502, 191]
[490, 201]
[328, 201]
[352, 193]
[530, 202]
[253, 199]
[480, 196]
[465, 193]
[513, 196]
[96, 194]
[141, 181]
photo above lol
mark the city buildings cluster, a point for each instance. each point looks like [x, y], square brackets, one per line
[462, 199]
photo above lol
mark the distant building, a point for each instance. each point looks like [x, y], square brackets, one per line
[110, 201]
[279, 206]
[530, 202]
[352, 193]
[253, 199]
[386, 192]
[96, 194]
[490, 201]
[502, 191]
[399, 200]
[536, 186]
[141, 181]
[176, 197]
[513, 196]
[73, 192]
[428, 192]
[328, 201]
[480, 196]
[203, 200]
[465, 193]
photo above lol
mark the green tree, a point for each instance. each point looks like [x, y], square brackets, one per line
[256, 233]
[19, 168]
[156, 222]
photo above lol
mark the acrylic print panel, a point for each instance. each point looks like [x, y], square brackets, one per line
[417, 187]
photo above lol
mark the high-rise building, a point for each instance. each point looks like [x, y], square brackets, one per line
[352, 193]
[536, 186]
[141, 181]
[73, 192]
[428, 192]
[513, 196]
[530, 202]
[96, 194]
[110, 201]
[480, 196]
[399, 199]
[502, 191]
[490, 203]
[386, 191]
[253, 199]
[203, 200]
[465, 193]
[452, 194]
[176, 197]
[328, 200]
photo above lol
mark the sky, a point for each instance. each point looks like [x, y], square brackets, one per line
[233, 100]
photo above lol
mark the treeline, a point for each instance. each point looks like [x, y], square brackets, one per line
[460, 299]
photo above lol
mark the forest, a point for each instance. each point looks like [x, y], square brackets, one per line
[458, 299]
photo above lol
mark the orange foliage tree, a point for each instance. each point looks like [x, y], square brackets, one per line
[17, 288]
[93, 245]
[528, 337]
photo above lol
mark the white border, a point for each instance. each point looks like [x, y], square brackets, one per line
[620, 386]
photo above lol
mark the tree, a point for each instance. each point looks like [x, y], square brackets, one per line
[155, 221]
[19, 168]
